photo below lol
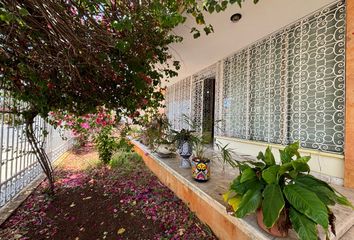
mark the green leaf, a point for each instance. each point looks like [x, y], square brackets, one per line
[260, 156]
[303, 226]
[284, 156]
[200, 19]
[23, 12]
[122, 45]
[325, 194]
[247, 174]
[269, 157]
[285, 168]
[293, 173]
[196, 35]
[7, 17]
[249, 202]
[218, 8]
[293, 149]
[241, 188]
[270, 174]
[211, 9]
[208, 29]
[340, 199]
[273, 204]
[307, 202]
[301, 165]
[319, 186]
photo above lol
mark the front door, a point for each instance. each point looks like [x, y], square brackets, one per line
[208, 110]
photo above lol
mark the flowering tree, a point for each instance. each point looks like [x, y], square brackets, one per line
[83, 127]
[77, 55]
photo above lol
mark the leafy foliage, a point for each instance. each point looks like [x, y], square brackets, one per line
[106, 144]
[273, 203]
[156, 130]
[78, 55]
[285, 186]
[125, 158]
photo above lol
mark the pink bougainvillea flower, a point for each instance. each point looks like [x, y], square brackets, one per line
[85, 125]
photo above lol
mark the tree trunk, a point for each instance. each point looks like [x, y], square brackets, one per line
[38, 150]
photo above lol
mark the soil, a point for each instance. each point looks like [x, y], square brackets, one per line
[96, 202]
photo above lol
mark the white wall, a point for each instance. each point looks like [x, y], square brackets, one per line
[258, 21]
[327, 166]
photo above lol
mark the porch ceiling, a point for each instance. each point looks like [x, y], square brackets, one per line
[257, 21]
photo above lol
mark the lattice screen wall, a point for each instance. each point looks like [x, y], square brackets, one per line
[288, 86]
[178, 102]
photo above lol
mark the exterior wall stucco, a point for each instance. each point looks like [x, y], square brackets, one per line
[327, 166]
[349, 120]
[258, 20]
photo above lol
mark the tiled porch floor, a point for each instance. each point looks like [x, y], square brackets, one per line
[219, 183]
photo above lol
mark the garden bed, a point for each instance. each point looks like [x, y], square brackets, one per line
[127, 202]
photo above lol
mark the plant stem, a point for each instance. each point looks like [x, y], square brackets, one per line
[38, 150]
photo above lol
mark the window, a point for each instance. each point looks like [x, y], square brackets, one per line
[290, 85]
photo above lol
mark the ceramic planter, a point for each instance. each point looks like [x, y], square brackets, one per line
[185, 151]
[164, 151]
[200, 169]
[280, 228]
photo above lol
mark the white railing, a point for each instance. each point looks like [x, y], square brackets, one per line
[19, 166]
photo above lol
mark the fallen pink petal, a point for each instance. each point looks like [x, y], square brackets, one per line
[90, 202]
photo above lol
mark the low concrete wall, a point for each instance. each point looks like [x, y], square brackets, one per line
[206, 208]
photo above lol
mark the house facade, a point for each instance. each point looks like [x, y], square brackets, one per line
[292, 84]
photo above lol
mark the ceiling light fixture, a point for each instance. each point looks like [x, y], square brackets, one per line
[236, 17]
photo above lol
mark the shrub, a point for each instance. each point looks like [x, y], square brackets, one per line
[125, 160]
[124, 145]
[105, 144]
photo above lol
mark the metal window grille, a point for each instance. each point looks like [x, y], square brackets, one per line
[290, 85]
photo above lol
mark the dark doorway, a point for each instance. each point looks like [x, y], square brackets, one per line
[208, 110]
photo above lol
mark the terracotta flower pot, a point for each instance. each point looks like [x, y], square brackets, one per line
[200, 169]
[279, 229]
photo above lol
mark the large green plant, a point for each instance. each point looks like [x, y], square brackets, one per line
[285, 189]
[105, 144]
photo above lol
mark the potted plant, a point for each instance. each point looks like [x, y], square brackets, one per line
[165, 148]
[184, 140]
[200, 163]
[284, 195]
[156, 135]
